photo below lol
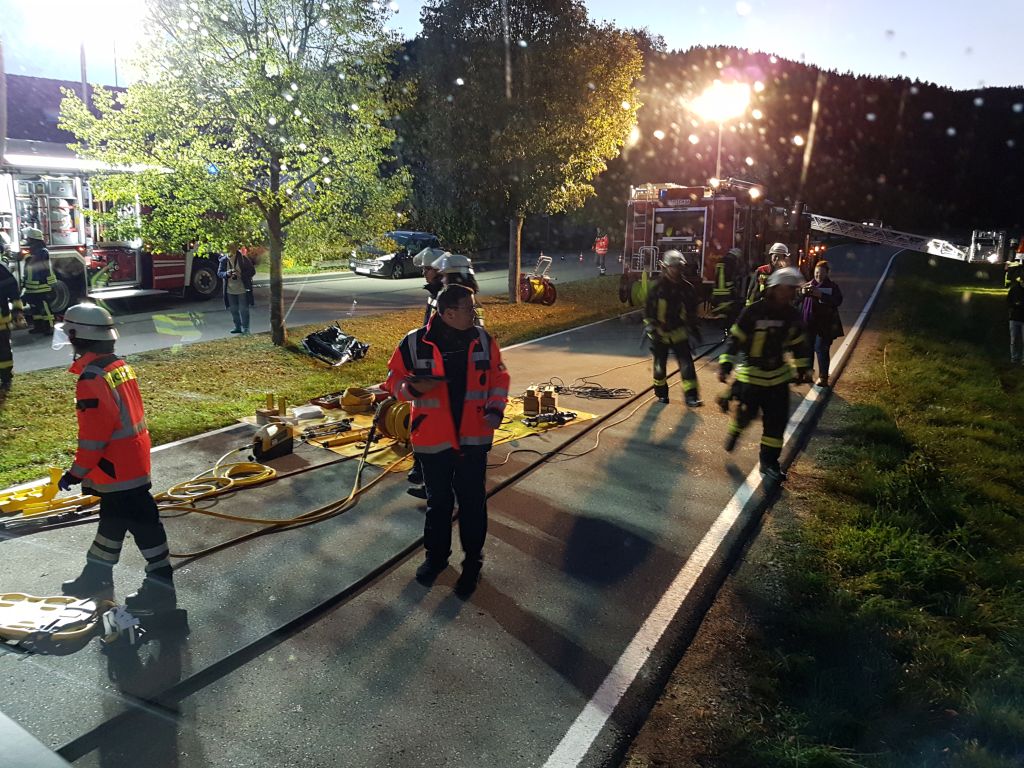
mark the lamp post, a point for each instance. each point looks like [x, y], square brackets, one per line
[718, 103]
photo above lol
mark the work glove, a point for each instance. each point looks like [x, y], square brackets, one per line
[68, 480]
[803, 376]
[493, 419]
[723, 372]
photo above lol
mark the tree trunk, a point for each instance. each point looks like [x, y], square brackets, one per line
[278, 332]
[515, 239]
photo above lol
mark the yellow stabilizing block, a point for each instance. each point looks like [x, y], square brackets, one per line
[37, 492]
[55, 625]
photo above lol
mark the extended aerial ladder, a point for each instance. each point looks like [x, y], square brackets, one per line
[882, 236]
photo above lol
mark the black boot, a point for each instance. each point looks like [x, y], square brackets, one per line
[155, 596]
[94, 581]
[730, 441]
[661, 392]
[693, 399]
[429, 570]
[468, 579]
[419, 491]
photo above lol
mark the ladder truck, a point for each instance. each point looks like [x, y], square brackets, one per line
[704, 223]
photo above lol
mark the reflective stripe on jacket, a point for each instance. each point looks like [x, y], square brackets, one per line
[431, 424]
[113, 442]
[723, 282]
[670, 308]
[39, 276]
[759, 341]
[9, 299]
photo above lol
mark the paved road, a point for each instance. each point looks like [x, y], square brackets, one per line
[307, 300]
[579, 555]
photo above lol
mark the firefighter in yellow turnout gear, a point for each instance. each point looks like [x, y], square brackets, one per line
[39, 282]
[758, 343]
[724, 301]
[670, 316]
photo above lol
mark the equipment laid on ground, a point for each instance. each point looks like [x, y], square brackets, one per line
[330, 429]
[329, 401]
[53, 625]
[19, 497]
[357, 400]
[333, 346]
[276, 407]
[393, 419]
[542, 398]
[558, 417]
[272, 441]
[536, 287]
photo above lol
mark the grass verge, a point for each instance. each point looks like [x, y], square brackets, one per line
[893, 635]
[197, 387]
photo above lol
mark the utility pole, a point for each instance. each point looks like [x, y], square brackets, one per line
[3, 103]
[85, 92]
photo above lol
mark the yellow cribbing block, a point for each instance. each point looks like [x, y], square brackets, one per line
[19, 497]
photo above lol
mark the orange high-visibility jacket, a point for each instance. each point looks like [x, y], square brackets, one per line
[113, 442]
[431, 424]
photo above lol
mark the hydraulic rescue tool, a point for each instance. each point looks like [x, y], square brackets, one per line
[558, 417]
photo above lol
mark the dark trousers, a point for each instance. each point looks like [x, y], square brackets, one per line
[131, 511]
[450, 476]
[38, 306]
[6, 355]
[822, 351]
[659, 351]
[773, 404]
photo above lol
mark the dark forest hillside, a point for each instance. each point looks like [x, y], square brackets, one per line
[915, 155]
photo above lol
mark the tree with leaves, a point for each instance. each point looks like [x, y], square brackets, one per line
[252, 119]
[519, 106]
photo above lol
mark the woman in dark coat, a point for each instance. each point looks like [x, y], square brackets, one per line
[822, 299]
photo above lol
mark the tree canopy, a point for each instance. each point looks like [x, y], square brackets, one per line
[519, 107]
[271, 116]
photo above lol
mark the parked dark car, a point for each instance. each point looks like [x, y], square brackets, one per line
[392, 255]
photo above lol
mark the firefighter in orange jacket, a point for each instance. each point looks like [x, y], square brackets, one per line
[451, 372]
[113, 462]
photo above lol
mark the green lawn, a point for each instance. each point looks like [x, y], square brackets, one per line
[203, 386]
[901, 642]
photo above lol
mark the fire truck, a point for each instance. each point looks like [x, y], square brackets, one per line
[51, 193]
[704, 223]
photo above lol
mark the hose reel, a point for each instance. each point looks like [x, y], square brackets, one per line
[393, 419]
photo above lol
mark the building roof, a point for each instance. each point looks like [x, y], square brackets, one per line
[33, 106]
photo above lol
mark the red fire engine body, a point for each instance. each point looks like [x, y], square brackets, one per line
[702, 223]
[35, 191]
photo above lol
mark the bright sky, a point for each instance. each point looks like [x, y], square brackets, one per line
[958, 44]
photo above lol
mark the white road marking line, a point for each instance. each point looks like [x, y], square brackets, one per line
[595, 715]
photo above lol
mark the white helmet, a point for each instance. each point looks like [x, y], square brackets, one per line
[454, 263]
[31, 233]
[673, 258]
[88, 321]
[427, 257]
[779, 249]
[786, 276]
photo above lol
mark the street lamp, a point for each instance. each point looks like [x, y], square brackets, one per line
[720, 102]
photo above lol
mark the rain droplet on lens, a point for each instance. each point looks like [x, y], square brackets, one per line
[978, 101]
[871, 117]
[928, 116]
[1018, 107]
[951, 131]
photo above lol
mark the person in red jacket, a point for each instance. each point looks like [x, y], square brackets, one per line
[451, 372]
[113, 462]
